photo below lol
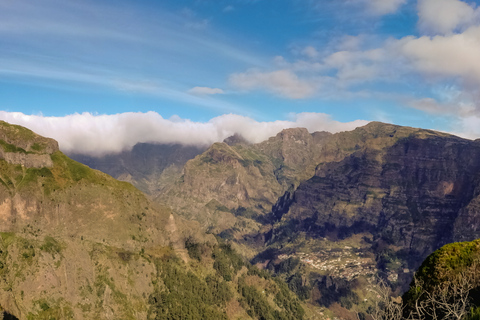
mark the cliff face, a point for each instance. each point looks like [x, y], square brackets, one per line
[414, 189]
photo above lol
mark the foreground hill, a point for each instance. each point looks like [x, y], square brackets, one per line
[447, 284]
[77, 244]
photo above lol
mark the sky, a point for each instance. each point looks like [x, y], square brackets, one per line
[101, 76]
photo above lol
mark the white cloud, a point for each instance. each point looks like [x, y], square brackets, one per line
[457, 108]
[468, 127]
[354, 66]
[310, 52]
[444, 16]
[102, 134]
[205, 90]
[282, 82]
[455, 55]
[381, 7]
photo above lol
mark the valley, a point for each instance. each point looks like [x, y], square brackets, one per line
[368, 203]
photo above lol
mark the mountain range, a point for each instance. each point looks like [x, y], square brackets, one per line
[324, 214]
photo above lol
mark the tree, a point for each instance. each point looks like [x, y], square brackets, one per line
[448, 299]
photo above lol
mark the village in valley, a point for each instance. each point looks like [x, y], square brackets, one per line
[345, 261]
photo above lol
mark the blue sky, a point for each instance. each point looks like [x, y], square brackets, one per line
[406, 62]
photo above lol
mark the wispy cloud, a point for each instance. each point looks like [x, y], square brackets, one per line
[228, 8]
[382, 7]
[205, 90]
[120, 47]
[102, 134]
[282, 82]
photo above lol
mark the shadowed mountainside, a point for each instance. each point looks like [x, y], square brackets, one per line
[411, 188]
[149, 167]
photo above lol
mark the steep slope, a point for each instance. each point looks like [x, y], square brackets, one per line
[71, 236]
[373, 201]
[347, 207]
[404, 185]
[382, 199]
[78, 244]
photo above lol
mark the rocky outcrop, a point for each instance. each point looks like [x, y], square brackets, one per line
[19, 145]
[28, 141]
[27, 160]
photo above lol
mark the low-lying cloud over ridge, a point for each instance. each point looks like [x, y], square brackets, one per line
[98, 135]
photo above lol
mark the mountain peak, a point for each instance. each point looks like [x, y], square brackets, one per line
[236, 139]
[293, 133]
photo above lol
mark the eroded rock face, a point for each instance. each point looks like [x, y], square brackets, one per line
[26, 139]
[27, 160]
[415, 189]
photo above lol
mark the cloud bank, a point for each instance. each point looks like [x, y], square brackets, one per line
[98, 135]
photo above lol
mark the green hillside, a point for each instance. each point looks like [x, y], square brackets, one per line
[77, 244]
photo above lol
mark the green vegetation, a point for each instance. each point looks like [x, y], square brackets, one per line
[194, 249]
[186, 296]
[51, 310]
[194, 292]
[474, 314]
[227, 261]
[447, 262]
[52, 246]
[7, 147]
[37, 147]
[257, 305]
[72, 169]
[446, 286]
